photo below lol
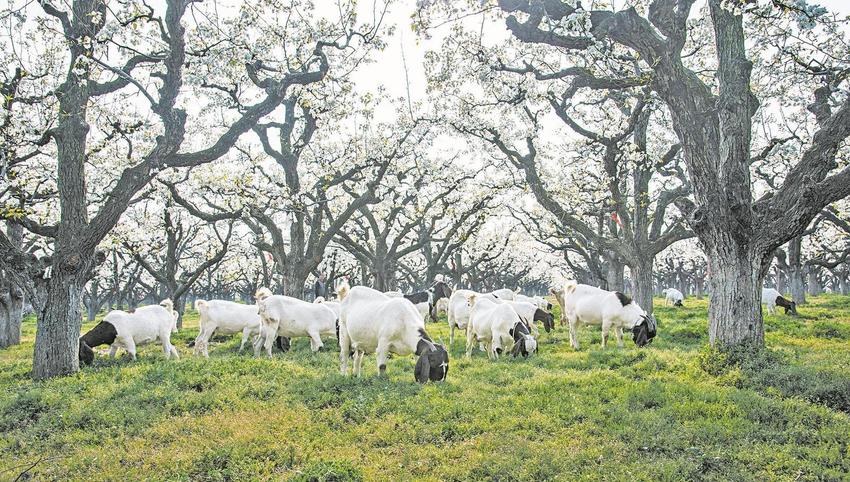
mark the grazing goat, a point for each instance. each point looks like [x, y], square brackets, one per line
[673, 297]
[120, 329]
[588, 305]
[491, 323]
[442, 306]
[284, 316]
[372, 322]
[460, 308]
[225, 318]
[773, 298]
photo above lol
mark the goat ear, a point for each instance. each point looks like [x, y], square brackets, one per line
[423, 369]
[517, 349]
[86, 354]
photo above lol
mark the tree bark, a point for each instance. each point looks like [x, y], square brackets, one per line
[642, 284]
[614, 275]
[11, 296]
[59, 323]
[293, 281]
[795, 271]
[781, 283]
[735, 283]
[813, 283]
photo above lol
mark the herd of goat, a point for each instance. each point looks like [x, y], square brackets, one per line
[366, 321]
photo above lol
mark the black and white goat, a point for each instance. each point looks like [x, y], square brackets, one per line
[589, 305]
[492, 323]
[372, 322]
[773, 298]
[672, 296]
[120, 329]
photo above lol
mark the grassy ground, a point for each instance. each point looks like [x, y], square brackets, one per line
[673, 411]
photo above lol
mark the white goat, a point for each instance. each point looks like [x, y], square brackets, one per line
[120, 329]
[443, 306]
[504, 294]
[372, 322]
[673, 297]
[225, 318]
[588, 305]
[458, 312]
[773, 298]
[334, 305]
[422, 307]
[540, 301]
[291, 317]
[492, 323]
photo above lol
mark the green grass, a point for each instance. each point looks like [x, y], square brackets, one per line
[673, 411]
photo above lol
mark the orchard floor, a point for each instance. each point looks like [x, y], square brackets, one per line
[672, 411]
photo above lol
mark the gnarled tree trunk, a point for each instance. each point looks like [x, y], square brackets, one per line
[60, 317]
[736, 280]
[642, 281]
[11, 296]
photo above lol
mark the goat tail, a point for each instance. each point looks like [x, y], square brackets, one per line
[570, 286]
[201, 305]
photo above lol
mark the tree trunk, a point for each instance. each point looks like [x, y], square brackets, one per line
[293, 281]
[699, 286]
[614, 275]
[642, 284]
[781, 284]
[11, 297]
[814, 286]
[843, 285]
[385, 276]
[59, 323]
[91, 311]
[734, 311]
[795, 271]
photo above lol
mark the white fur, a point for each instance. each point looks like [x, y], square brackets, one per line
[225, 318]
[146, 324]
[169, 305]
[423, 308]
[504, 294]
[490, 323]
[768, 298]
[342, 289]
[291, 317]
[459, 309]
[588, 305]
[672, 295]
[334, 305]
[372, 322]
[442, 306]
